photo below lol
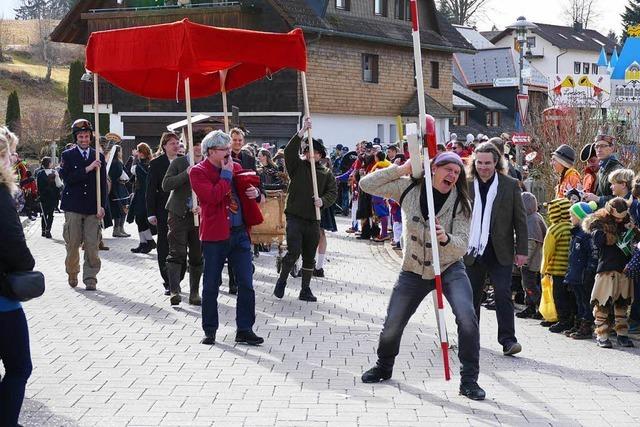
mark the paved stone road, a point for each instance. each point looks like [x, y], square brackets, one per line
[122, 356]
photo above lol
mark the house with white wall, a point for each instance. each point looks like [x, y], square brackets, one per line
[568, 57]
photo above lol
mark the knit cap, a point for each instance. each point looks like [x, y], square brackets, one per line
[582, 209]
[565, 155]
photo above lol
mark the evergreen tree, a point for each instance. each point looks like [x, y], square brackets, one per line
[13, 113]
[43, 9]
[74, 103]
[631, 16]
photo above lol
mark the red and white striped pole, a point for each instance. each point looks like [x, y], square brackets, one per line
[426, 126]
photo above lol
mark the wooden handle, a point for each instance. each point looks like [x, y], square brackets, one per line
[307, 113]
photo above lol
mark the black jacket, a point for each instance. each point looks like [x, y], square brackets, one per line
[79, 192]
[14, 253]
[157, 198]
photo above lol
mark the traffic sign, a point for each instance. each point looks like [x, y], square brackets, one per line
[520, 138]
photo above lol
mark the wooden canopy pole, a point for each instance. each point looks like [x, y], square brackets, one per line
[312, 161]
[187, 100]
[225, 110]
[96, 135]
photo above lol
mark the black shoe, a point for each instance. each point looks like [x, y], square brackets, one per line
[318, 272]
[209, 339]
[624, 341]
[138, 249]
[472, 391]
[604, 343]
[175, 299]
[248, 337]
[48, 235]
[537, 316]
[44, 233]
[152, 244]
[527, 313]
[147, 247]
[278, 291]
[559, 327]
[546, 323]
[376, 374]
[307, 295]
[511, 349]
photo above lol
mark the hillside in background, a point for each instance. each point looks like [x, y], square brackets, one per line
[42, 103]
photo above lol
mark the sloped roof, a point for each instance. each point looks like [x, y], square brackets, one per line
[433, 108]
[568, 38]
[72, 29]
[474, 37]
[486, 65]
[442, 36]
[476, 98]
[462, 104]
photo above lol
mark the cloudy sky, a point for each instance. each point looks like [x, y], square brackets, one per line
[500, 13]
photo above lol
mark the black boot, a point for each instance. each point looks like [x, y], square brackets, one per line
[305, 292]
[173, 274]
[584, 332]
[195, 272]
[573, 329]
[527, 313]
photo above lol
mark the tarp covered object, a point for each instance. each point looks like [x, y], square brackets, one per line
[153, 61]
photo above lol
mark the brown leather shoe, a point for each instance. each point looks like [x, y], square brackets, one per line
[73, 280]
[102, 246]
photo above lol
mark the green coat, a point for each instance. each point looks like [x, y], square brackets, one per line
[300, 191]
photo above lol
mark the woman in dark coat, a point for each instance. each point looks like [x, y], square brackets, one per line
[138, 208]
[272, 177]
[14, 256]
[118, 194]
[49, 185]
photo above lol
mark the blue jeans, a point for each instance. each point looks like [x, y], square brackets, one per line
[237, 249]
[500, 276]
[16, 357]
[408, 292]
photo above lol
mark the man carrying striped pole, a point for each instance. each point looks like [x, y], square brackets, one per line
[442, 189]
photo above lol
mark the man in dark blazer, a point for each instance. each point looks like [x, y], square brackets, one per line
[183, 231]
[498, 215]
[243, 157]
[156, 198]
[82, 217]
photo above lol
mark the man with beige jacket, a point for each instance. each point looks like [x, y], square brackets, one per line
[416, 280]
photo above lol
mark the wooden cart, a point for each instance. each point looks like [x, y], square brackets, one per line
[272, 229]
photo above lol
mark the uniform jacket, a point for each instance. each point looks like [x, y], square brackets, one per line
[416, 238]
[156, 197]
[176, 182]
[214, 196]
[507, 216]
[79, 192]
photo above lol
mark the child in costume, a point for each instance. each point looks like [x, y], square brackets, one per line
[612, 287]
[555, 260]
[581, 271]
[537, 230]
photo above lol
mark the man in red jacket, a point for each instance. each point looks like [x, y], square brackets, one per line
[226, 215]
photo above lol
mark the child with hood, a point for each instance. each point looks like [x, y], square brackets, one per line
[555, 260]
[581, 270]
[612, 287]
[531, 270]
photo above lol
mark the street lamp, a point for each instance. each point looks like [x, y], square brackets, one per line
[521, 27]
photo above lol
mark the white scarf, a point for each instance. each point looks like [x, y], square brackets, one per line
[480, 224]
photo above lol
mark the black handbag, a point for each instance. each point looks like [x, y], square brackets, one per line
[23, 285]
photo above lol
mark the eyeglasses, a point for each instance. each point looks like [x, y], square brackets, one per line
[601, 146]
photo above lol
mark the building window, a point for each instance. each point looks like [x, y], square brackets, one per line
[343, 4]
[401, 10]
[594, 68]
[461, 119]
[585, 68]
[531, 41]
[380, 7]
[381, 132]
[576, 67]
[369, 68]
[393, 133]
[495, 118]
[487, 117]
[435, 74]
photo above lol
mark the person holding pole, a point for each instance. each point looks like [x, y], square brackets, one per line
[303, 223]
[79, 170]
[498, 216]
[226, 215]
[417, 278]
[183, 231]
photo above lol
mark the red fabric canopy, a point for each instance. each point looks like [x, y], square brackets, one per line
[153, 61]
